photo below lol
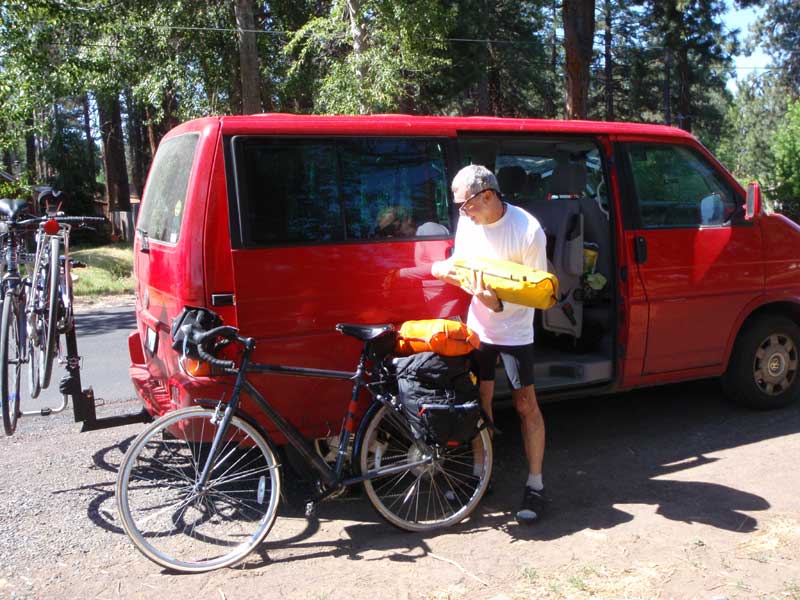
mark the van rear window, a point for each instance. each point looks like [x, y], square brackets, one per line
[165, 197]
[308, 191]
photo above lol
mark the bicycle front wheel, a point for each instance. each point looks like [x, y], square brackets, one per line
[50, 326]
[11, 354]
[179, 526]
[423, 497]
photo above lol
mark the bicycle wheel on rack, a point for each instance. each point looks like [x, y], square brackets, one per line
[426, 497]
[11, 355]
[184, 529]
[49, 345]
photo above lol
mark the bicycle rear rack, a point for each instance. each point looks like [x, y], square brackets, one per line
[83, 400]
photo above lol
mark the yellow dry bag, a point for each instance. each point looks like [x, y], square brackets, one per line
[512, 282]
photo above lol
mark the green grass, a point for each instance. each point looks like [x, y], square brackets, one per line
[109, 270]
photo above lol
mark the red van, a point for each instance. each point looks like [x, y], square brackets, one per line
[286, 225]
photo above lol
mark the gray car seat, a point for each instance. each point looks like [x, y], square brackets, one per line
[563, 224]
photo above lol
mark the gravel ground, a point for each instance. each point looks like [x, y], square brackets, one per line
[666, 493]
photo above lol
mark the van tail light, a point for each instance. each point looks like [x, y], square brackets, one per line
[197, 368]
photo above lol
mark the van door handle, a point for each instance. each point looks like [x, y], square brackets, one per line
[640, 249]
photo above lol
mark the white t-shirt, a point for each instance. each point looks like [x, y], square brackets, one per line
[518, 237]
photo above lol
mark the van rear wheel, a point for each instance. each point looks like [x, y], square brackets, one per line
[763, 370]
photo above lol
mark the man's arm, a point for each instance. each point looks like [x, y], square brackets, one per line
[443, 270]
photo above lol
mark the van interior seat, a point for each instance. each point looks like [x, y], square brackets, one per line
[596, 228]
[562, 222]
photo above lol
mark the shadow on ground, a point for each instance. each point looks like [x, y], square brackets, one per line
[602, 453]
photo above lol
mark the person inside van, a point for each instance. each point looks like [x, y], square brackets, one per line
[492, 228]
[397, 221]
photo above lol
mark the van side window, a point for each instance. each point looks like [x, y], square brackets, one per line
[293, 190]
[676, 187]
[165, 196]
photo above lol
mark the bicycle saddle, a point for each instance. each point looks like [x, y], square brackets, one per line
[11, 208]
[364, 333]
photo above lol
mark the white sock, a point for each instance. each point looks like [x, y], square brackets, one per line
[477, 469]
[535, 482]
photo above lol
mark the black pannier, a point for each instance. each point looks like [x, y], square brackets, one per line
[439, 397]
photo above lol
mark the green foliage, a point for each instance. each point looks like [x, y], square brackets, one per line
[787, 155]
[750, 124]
[109, 270]
[401, 44]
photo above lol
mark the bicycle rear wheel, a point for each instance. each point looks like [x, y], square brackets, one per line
[184, 529]
[11, 353]
[426, 497]
[50, 315]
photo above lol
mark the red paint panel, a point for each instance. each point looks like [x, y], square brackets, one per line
[290, 300]
[697, 282]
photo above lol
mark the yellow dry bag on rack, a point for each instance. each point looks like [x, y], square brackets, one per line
[512, 282]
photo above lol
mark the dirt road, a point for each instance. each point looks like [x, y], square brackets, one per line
[668, 493]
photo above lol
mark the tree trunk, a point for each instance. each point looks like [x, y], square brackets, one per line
[87, 131]
[30, 150]
[7, 162]
[578, 17]
[135, 143]
[117, 187]
[609, 65]
[359, 45]
[549, 98]
[248, 57]
[684, 89]
[667, 92]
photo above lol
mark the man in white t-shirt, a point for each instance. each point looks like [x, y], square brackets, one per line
[491, 228]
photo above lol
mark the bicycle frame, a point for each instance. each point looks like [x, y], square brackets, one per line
[331, 478]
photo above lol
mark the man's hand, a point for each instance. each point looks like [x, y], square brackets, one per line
[482, 291]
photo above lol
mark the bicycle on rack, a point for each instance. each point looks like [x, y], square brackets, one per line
[49, 309]
[13, 339]
[199, 488]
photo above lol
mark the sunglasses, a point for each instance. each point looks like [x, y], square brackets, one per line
[469, 203]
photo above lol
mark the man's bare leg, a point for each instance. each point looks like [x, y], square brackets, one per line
[532, 425]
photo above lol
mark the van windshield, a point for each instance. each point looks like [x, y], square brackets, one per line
[306, 191]
[165, 196]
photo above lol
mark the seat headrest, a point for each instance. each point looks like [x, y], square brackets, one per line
[511, 179]
[569, 178]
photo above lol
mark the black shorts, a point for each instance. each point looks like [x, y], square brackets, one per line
[517, 360]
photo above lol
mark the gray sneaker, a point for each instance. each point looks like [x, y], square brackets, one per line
[533, 506]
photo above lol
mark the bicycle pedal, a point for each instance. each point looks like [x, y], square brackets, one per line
[310, 509]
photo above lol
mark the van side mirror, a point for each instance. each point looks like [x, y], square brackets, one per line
[753, 204]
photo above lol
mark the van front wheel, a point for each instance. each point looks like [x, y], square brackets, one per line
[763, 370]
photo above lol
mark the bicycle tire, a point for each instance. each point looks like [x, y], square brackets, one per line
[50, 333]
[10, 362]
[426, 497]
[32, 353]
[173, 525]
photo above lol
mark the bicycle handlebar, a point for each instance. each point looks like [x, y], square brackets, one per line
[199, 338]
[65, 219]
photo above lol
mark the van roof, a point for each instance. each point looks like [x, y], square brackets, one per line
[396, 124]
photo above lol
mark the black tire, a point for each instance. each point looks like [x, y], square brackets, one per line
[10, 362]
[763, 370]
[421, 498]
[50, 328]
[193, 531]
